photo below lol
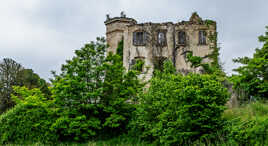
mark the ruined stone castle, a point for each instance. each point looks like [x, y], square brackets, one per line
[153, 43]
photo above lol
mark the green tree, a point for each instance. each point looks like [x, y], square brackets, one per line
[29, 79]
[9, 70]
[252, 77]
[13, 74]
[77, 91]
[93, 92]
[178, 109]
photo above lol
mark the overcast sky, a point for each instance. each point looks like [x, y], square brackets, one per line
[42, 34]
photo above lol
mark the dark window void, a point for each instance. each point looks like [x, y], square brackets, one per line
[202, 37]
[161, 38]
[182, 38]
[159, 63]
[139, 38]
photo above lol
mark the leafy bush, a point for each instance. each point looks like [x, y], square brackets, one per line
[177, 109]
[30, 120]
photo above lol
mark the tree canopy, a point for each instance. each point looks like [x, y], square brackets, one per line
[14, 74]
[252, 78]
[94, 93]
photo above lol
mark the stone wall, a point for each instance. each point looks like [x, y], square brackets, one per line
[114, 31]
[119, 28]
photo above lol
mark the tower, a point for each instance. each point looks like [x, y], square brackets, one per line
[115, 29]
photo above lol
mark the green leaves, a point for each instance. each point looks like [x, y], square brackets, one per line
[33, 115]
[95, 91]
[252, 78]
[13, 74]
[248, 124]
[195, 60]
[178, 108]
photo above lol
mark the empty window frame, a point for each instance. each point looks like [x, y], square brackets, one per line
[182, 38]
[161, 38]
[202, 37]
[139, 38]
[137, 64]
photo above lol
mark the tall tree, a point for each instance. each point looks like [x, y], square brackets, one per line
[29, 79]
[9, 70]
[93, 92]
[13, 74]
[252, 78]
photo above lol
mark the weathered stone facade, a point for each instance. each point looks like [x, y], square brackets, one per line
[155, 42]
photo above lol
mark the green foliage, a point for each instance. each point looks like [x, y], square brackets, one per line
[95, 99]
[8, 77]
[29, 120]
[252, 76]
[77, 92]
[195, 60]
[119, 92]
[139, 65]
[208, 68]
[13, 74]
[117, 141]
[247, 125]
[119, 49]
[29, 79]
[214, 56]
[177, 109]
[93, 93]
[209, 22]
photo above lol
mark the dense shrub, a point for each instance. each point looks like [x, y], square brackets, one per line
[30, 120]
[177, 109]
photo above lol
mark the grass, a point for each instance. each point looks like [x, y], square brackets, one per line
[248, 124]
[119, 141]
[248, 111]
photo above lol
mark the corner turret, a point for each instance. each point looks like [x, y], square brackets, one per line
[115, 28]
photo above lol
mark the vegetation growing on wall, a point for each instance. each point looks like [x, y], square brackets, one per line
[209, 23]
[215, 50]
[119, 49]
[214, 65]
[138, 66]
[195, 60]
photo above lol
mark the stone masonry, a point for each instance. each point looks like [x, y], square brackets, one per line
[155, 42]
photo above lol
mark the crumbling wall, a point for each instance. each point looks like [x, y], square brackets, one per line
[192, 28]
[124, 28]
[172, 50]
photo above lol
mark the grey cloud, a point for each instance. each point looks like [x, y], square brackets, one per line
[42, 34]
